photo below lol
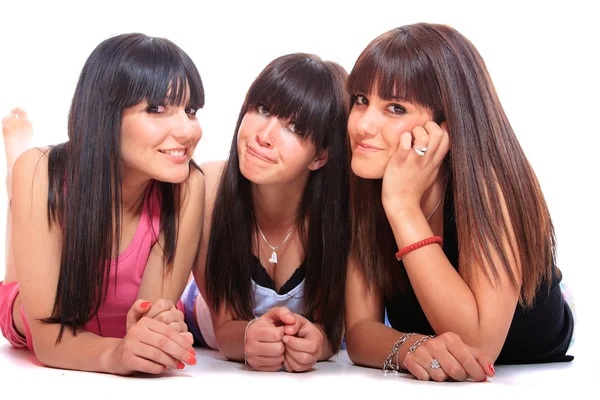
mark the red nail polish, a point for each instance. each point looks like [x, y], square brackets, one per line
[165, 367]
[492, 368]
[146, 305]
[192, 352]
[192, 360]
[180, 365]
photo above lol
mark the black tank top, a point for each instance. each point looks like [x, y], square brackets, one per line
[539, 334]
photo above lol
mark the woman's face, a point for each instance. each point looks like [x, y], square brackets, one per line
[270, 150]
[375, 126]
[158, 141]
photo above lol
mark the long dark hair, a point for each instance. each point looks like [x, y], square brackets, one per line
[310, 91]
[84, 174]
[437, 67]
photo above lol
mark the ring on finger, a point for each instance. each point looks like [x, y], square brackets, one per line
[421, 152]
[435, 364]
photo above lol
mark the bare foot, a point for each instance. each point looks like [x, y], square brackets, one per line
[17, 131]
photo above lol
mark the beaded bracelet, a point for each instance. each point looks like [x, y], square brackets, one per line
[389, 364]
[419, 244]
[245, 333]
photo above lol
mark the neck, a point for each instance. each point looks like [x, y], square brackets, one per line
[132, 192]
[278, 205]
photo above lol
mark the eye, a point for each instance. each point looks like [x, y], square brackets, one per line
[191, 110]
[361, 99]
[396, 109]
[292, 126]
[156, 109]
[262, 109]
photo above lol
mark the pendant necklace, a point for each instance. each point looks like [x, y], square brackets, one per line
[273, 258]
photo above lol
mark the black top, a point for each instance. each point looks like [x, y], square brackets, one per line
[262, 278]
[539, 334]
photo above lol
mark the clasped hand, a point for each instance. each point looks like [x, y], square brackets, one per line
[282, 339]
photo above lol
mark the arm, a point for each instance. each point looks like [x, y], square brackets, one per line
[369, 342]
[37, 275]
[168, 287]
[478, 311]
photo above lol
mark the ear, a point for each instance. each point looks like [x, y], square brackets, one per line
[319, 161]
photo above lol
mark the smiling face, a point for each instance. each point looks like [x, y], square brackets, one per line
[374, 128]
[270, 150]
[158, 141]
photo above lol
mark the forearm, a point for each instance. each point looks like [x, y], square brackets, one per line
[83, 352]
[446, 299]
[230, 339]
[369, 343]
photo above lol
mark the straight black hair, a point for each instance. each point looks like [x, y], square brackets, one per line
[84, 173]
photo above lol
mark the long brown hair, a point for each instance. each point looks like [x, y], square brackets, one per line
[310, 91]
[438, 68]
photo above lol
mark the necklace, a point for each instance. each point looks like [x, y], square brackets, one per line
[436, 206]
[273, 258]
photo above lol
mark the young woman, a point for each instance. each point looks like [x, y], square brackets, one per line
[451, 233]
[274, 264]
[105, 226]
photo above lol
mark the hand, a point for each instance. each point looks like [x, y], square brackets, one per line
[303, 345]
[149, 345]
[457, 360]
[408, 175]
[264, 348]
[166, 312]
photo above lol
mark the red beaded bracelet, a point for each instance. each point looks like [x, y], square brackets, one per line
[414, 246]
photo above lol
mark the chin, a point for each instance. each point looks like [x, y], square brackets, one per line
[366, 170]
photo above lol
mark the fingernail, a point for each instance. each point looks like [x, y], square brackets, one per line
[492, 368]
[180, 365]
[285, 339]
[165, 367]
[192, 352]
[146, 305]
[191, 360]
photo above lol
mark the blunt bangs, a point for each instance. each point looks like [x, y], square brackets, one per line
[305, 93]
[156, 70]
[393, 68]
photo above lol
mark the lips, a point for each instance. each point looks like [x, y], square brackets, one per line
[260, 155]
[174, 152]
[367, 147]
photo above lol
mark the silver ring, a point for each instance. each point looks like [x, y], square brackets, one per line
[421, 152]
[435, 364]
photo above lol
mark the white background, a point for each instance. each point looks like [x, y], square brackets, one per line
[542, 57]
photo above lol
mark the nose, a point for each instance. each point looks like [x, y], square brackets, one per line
[183, 128]
[267, 132]
[366, 124]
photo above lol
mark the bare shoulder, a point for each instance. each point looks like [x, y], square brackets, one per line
[31, 168]
[213, 170]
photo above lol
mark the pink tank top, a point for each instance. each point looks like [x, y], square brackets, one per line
[112, 314]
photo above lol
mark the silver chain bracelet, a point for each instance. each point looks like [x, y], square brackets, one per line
[389, 364]
[415, 345]
[245, 333]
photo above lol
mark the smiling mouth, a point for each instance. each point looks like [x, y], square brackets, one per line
[176, 153]
[366, 147]
[256, 154]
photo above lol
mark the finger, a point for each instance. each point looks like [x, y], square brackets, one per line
[140, 364]
[444, 144]
[415, 368]
[486, 363]
[306, 360]
[179, 326]
[188, 338]
[261, 362]
[421, 138]
[295, 365]
[464, 356]
[435, 133]
[295, 328]
[160, 306]
[137, 311]
[168, 316]
[437, 374]
[265, 333]
[169, 341]
[450, 366]
[265, 349]
[280, 315]
[155, 355]
[306, 345]
[287, 366]
[20, 112]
